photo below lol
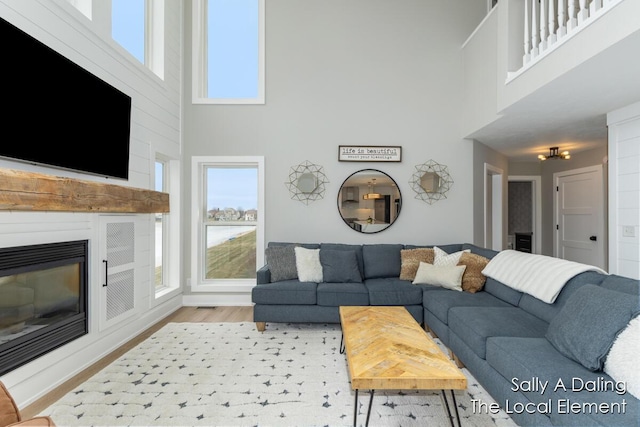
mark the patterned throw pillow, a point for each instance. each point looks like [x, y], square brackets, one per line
[282, 262]
[411, 259]
[473, 279]
[444, 259]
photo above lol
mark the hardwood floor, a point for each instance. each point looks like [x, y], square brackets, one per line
[183, 315]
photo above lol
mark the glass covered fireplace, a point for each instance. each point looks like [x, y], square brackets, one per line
[43, 300]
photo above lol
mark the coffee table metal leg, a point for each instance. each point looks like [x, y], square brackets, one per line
[455, 405]
[355, 410]
[369, 410]
[342, 348]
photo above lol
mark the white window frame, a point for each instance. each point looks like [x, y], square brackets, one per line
[154, 17]
[171, 253]
[198, 208]
[199, 58]
[83, 6]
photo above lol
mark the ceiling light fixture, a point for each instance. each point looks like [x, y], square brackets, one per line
[371, 194]
[554, 153]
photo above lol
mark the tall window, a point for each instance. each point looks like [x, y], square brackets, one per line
[128, 26]
[228, 57]
[229, 241]
[138, 26]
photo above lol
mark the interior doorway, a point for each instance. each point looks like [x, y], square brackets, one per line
[493, 207]
[525, 209]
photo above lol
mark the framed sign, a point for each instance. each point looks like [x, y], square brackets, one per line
[369, 153]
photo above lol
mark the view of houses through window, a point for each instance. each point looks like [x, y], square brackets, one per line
[231, 222]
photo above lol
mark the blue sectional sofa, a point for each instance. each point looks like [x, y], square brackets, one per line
[509, 340]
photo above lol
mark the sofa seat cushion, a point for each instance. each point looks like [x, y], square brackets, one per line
[286, 292]
[337, 294]
[474, 325]
[393, 291]
[438, 301]
[535, 359]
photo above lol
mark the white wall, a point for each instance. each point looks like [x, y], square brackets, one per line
[624, 191]
[155, 126]
[362, 72]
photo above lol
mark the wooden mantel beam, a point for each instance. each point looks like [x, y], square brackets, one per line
[28, 191]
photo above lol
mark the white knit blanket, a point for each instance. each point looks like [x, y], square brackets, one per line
[537, 275]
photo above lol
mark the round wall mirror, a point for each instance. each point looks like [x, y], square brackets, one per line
[369, 201]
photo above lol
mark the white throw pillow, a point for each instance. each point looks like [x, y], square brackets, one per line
[624, 357]
[449, 277]
[442, 258]
[308, 265]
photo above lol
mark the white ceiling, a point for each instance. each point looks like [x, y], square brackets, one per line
[570, 112]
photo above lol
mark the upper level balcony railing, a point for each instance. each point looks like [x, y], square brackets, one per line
[547, 23]
[567, 61]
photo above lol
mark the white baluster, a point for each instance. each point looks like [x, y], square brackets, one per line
[527, 32]
[543, 25]
[534, 29]
[595, 6]
[562, 19]
[583, 13]
[572, 22]
[551, 38]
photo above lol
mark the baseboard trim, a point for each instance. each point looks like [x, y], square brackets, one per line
[217, 300]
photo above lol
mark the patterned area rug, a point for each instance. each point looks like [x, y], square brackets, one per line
[229, 374]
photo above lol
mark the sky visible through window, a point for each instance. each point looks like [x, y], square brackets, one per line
[232, 188]
[128, 25]
[233, 48]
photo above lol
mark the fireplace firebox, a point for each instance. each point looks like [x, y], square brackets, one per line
[43, 300]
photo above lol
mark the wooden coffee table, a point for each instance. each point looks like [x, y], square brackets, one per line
[387, 349]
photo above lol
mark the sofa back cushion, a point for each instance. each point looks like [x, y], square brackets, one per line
[454, 247]
[502, 291]
[621, 284]
[339, 266]
[304, 245]
[343, 247]
[478, 250]
[546, 311]
[381, 260]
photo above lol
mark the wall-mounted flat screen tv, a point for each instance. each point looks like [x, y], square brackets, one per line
[56, 113]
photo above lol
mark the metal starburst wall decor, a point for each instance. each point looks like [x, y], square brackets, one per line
[306, 182]
[431, 181]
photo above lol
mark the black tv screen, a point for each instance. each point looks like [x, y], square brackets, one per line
[57, 113]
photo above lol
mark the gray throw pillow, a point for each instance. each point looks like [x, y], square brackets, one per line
[339, 266]
[589, 322]
[282, 262]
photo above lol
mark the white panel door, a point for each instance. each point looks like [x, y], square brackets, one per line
[579, 214]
